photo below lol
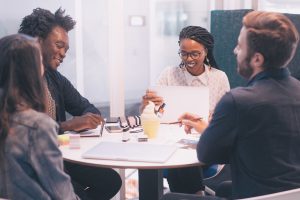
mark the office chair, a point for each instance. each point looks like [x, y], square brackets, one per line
[285, 195]
[211, 183]
[181, 196]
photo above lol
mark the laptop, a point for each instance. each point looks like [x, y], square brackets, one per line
[181, 99]
[139, 152]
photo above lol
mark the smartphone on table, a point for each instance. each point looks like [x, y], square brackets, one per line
[114, 129]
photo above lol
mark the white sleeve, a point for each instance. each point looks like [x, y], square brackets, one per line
[225, 86]
[164, 77]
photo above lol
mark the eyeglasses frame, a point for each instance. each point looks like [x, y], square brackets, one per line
[190, 54]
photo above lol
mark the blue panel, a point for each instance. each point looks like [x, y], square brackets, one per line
[225, 27]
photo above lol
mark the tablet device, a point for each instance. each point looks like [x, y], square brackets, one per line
[181, 99]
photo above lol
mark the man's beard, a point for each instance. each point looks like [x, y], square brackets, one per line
[244, 68]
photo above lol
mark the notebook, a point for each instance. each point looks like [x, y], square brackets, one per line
[181, 99]
[91, 132]
[139, 152]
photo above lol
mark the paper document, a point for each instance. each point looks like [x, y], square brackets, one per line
[140, 152]
[181, 99]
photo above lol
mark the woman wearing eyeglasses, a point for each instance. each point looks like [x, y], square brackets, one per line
[197, 68]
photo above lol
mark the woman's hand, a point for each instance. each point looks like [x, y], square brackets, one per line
[192, 121]
[150, 96]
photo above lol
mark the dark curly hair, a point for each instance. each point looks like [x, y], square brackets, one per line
[41, 22]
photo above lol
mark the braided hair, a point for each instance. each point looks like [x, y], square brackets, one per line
[202, 36]
[41, 22]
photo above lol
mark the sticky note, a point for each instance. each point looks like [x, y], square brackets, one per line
[74, 141]
[63, 139]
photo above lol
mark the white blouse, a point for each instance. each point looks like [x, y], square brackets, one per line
[216, 81]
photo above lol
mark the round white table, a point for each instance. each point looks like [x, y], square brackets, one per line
[150, 173]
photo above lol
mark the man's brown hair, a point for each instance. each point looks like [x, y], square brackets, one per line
[273, 35]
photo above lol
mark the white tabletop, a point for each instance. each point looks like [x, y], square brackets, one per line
[168, 134]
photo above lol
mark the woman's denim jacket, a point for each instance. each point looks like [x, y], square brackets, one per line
[33, 166]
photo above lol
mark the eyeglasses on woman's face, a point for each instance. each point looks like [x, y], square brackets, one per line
[194, 54]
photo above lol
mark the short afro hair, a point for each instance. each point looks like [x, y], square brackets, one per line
[41, 22]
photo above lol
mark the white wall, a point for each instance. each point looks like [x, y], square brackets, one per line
[95, 50]
[137, 58]
[164, 46]
[12, 12]
[95, 45]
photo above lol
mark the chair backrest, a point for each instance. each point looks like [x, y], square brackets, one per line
[226, 39]
[285, 195]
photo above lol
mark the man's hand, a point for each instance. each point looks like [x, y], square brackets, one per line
[192, 121]
[150, 96]
[79, 123]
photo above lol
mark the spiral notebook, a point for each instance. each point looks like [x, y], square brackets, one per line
[139, 152]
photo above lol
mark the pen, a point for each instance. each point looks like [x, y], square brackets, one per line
[178, 122]
[160, 110]
[136, 131]
[161, 107]
[102, 126]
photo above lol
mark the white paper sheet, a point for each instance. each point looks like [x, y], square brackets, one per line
[181, 99]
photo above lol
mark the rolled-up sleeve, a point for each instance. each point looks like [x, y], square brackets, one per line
[216, 143]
